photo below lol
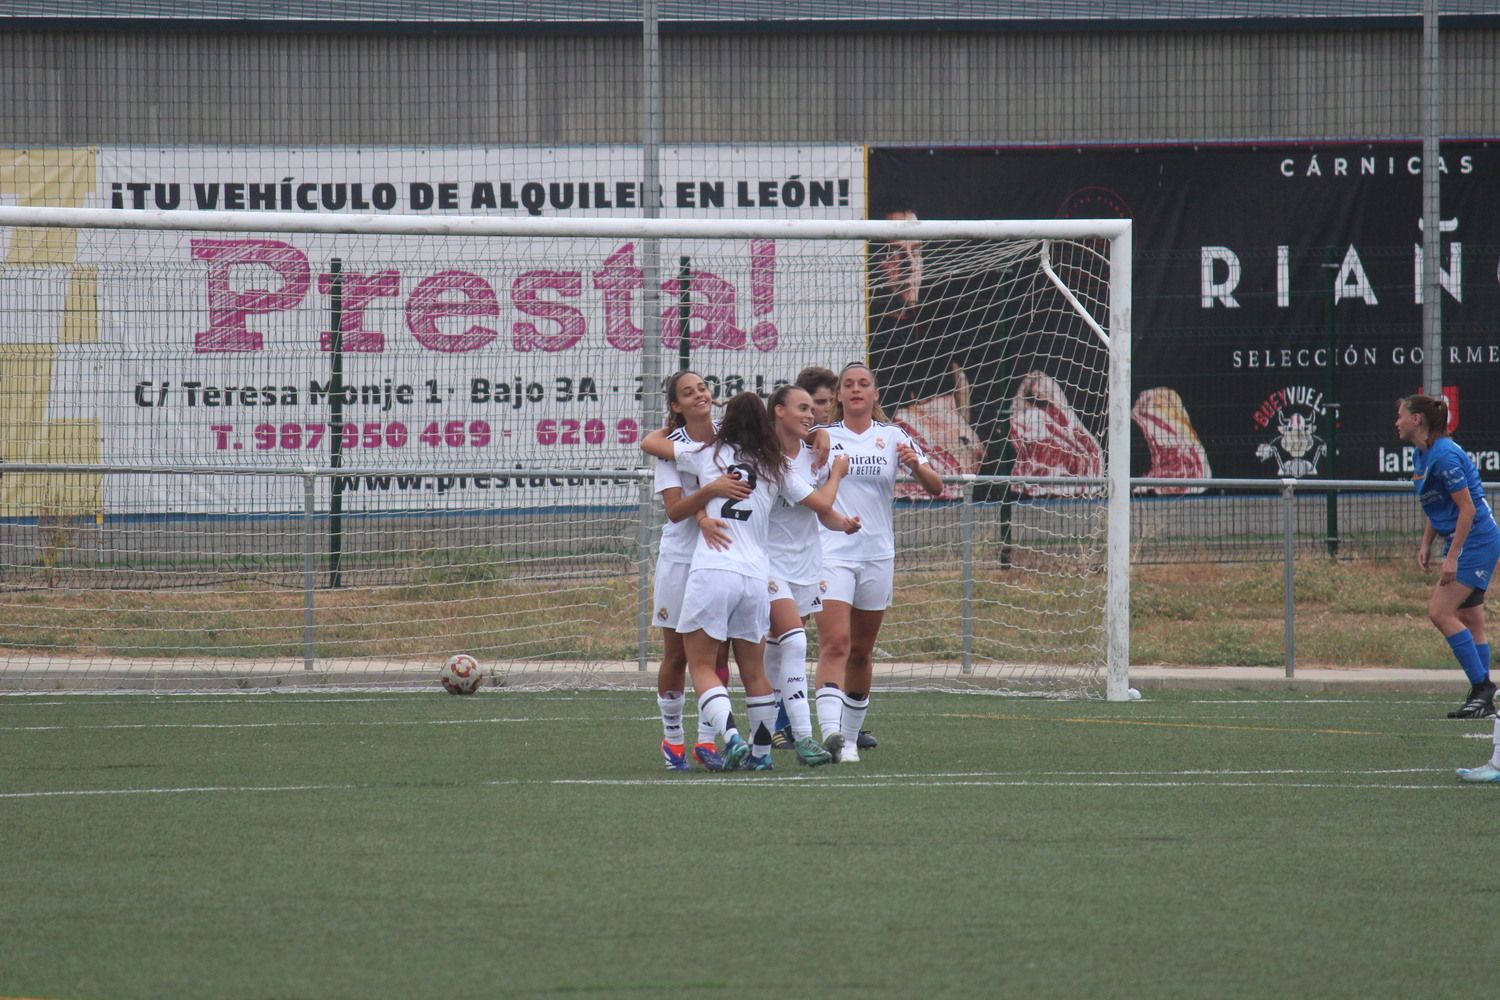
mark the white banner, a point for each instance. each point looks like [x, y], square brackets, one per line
[485, 356]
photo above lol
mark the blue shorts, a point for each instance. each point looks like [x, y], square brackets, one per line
[1476, 563]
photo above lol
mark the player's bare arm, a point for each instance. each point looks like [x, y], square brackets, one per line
[820, 500]
[723, 488]
[923, 473]
[821, 444]
[715, 532]
[1424, 549]
[657, 445]
[1465, 503]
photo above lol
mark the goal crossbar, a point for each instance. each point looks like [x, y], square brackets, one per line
[611, 228]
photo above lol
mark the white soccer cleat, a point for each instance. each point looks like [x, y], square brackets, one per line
[850, 753]
[1483, 773]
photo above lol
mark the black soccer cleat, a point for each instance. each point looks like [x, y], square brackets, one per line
[866, 740]
[1479, 705]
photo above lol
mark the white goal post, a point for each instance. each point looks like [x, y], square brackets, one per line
[449, 405]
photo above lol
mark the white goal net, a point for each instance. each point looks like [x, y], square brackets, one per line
[336, 450]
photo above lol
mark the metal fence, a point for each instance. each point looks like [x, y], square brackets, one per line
[309, 558]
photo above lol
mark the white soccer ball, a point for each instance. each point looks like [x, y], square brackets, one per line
[461, 674]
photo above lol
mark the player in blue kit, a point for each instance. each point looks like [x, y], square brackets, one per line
[1453, 500]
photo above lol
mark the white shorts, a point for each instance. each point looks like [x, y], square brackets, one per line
[867, 586]
[667, 590]
[808, 596]
[726, 605]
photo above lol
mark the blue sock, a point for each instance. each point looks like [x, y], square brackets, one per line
[782, 722]
[1483, 648]
[1467, 655]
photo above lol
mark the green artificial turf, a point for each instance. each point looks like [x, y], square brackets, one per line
[520, 845]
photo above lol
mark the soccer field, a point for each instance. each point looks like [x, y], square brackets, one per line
[421, 845]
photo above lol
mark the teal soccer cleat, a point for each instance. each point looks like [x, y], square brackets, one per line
[1485, 772]
[762, 763]
[735, 752]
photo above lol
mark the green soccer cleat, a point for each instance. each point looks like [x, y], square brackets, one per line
[812, 753]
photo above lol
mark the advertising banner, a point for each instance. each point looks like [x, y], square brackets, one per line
[1277, 300]
[485, 355]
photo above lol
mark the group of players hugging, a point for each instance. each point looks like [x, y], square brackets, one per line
[776, 511]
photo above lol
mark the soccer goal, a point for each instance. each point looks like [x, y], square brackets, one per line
[268, 449]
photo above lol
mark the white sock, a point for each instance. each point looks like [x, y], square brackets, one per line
[761, 710]
[1495, 757]
[794, 682]
[706, 731]
[713, 705]
[670, 706]
[830, 710]
[774, 656]
[854, 716]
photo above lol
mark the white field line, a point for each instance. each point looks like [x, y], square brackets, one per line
[973, 779]
[342, 695]
[876, 783]
[494, 720]
[200, 789]
[319, 724]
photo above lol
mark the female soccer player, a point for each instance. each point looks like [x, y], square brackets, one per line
[1453, 500]
[725, 597]
[823, 385]
[689, 418]
[859, 570]
[796, 570]
[820, 384]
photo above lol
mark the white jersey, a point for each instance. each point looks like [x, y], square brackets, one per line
[796, 550]
[866, 491]
[747, 520]
[678, 538]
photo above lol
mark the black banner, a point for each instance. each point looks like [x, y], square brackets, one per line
[1276, 307]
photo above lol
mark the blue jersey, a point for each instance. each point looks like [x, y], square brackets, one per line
[1442, 470]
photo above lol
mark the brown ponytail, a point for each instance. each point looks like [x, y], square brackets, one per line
[1434, 413]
